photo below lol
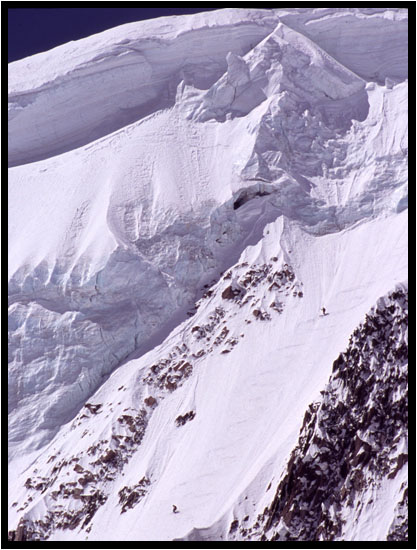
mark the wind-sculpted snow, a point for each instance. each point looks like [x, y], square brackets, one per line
[118, 79]
[284, 63]
[371, 42]
[203, 185]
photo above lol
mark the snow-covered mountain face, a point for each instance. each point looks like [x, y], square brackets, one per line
[185, 195]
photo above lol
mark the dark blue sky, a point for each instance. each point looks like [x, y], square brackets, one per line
[34, 30]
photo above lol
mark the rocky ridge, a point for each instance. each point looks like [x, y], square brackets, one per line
[352, 441]
[94, 470]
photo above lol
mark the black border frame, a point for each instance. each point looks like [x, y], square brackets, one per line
[411, 543]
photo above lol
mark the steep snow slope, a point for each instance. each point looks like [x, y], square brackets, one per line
[348, 468]
[248, 405]
[277, 155]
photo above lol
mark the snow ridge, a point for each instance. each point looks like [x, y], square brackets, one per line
[135, 76]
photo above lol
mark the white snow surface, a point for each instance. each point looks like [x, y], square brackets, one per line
[144, 162]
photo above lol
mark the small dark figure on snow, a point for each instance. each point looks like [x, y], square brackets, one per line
[174, 509]
[323, 310]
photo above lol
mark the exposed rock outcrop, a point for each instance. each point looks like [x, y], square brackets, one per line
[352, 440]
